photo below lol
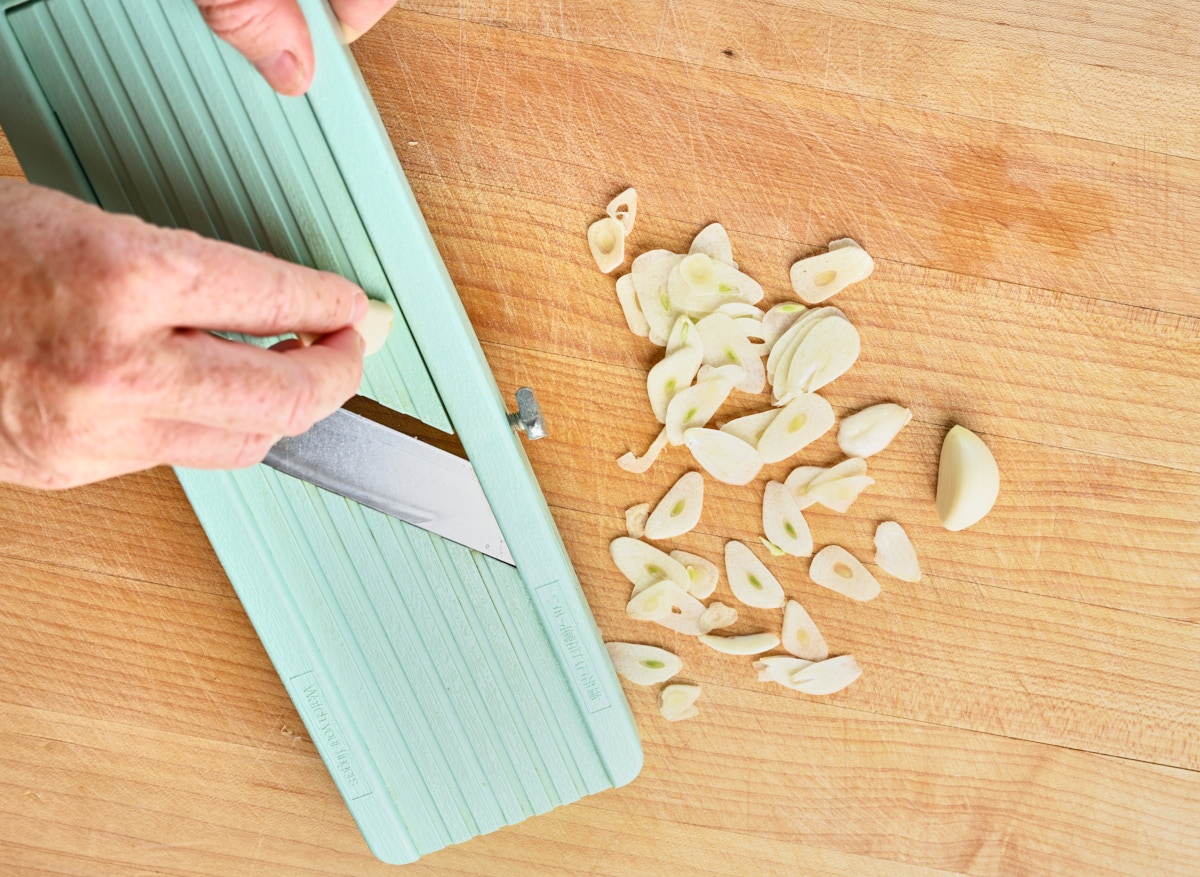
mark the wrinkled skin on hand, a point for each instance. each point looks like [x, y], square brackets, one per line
[107, 361]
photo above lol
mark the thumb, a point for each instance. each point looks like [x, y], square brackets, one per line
[273, 36]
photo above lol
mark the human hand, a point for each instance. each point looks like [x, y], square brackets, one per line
[106, 362]
[274, 37]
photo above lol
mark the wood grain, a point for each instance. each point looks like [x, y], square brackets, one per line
[1026, 177]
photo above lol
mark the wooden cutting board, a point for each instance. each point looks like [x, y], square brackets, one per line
[1029, 184]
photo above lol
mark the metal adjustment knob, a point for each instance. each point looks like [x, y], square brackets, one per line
[528, 416]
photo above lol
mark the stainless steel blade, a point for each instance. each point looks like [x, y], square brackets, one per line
[396, 474]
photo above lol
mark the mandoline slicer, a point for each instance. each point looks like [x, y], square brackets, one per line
[448, 693]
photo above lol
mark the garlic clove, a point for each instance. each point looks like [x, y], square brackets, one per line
[895, 554]
[838, 570]
[871, 430]
[818, 277]
[968, 480]
[678, 511]
[375, 326]
[643, 665]
[800, 635]
[606, 238]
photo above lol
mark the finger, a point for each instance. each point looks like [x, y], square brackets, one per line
[287, 344]
[273, 36]
[233, 289]
[359, 16]
[242, 388]
[194, 446]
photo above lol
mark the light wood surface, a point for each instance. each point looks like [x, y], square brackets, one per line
[1027, 177]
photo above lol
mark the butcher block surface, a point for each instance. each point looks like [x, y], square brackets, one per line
[1027, 177]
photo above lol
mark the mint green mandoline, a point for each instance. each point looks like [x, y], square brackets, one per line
[448, 693]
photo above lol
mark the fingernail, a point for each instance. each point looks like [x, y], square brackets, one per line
[360, 308]
[283, 71]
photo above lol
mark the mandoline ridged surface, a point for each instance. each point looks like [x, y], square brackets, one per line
[447, 693]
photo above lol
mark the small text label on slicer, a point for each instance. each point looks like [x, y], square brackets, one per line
[558, 616]
[321, 725]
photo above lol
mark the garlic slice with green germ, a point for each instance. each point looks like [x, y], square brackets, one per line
[747, 644]
[775, 550]
[801, 422]
[694, 406]
[871, 430]
[671, 375]
[784, 523]
[895, 554]
[803, 479]
[630, 462]
[649, 273]
[751, 427]
[678, 511]
[725, 344]
[644, 564]
[654, 602]
[713, 241]
[818, 277]
[703, 573]
[623, 208]
[635, 519]
[718, 615]
[968, 480]
[643, 665]
[723, 456]
[634, 317]
[606, 238]
[677, 702]
[827, 352]
[800, 635]
[749, 579]
[731, 373]
[779, 319]
[837, 569]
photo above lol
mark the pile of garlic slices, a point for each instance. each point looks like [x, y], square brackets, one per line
[704, 312]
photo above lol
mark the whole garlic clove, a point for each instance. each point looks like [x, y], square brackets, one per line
[968, 480]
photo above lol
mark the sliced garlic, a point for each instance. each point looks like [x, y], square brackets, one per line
[800, 635]
[837, 569]
[684, 617]
[779, 668]
[784, 523]
[779, 319]
[725, 344]
[774, 549]
[703, 573]
[375, 326]
[827, 352]
[713, 241]
[606, 237]
[698, 285]
[623, 208]
[677, 702]
[843, 242]
[683, 334]
[678, 511]
[630, 462]
[818, 277]
[871, 430]
[894, 552]
[731, 373]
[649, 273]
[695, 406]
[669, 376]
[718, 615]
[643, 665]
[634, 317]
[802, 480]
[747, 644]
[839, 494]
[749, 579]
[654, 602]
[751, 427]
[968, 480]
[723, 456]
[635, 520]
[780, 358]
[826, 677]
[801, 422]
[644, 565]
[738, 310]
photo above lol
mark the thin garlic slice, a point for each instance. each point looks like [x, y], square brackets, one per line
[839, 494]
[747, 644]
[649, 273]
[634, 317]
[779, 319]
[780, 357]
[775, 550]
[779, 668]
[703, 573]
[644, 565]
[800, 635]
[643, 665]
[695, 406]
[749, 579]
[803, 479]
[684, 617]
[678, 511]
[871, 430]
[713, 241]
[683, 334]
[669, 376]
[723, 456]
[801, 422]
[751, 427]
[654, 602]
[725, 344]
[718, 615]
[826, 677]
[818, 277]
[623, 208]
[630, 462]
[784, 523]
[827, 352]
[731, 373]
[895, 554]
[635, 519]
[677, 702]
[739, 310]
[375, 326]
[606, 238]
[837, 569]
[968, 480]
